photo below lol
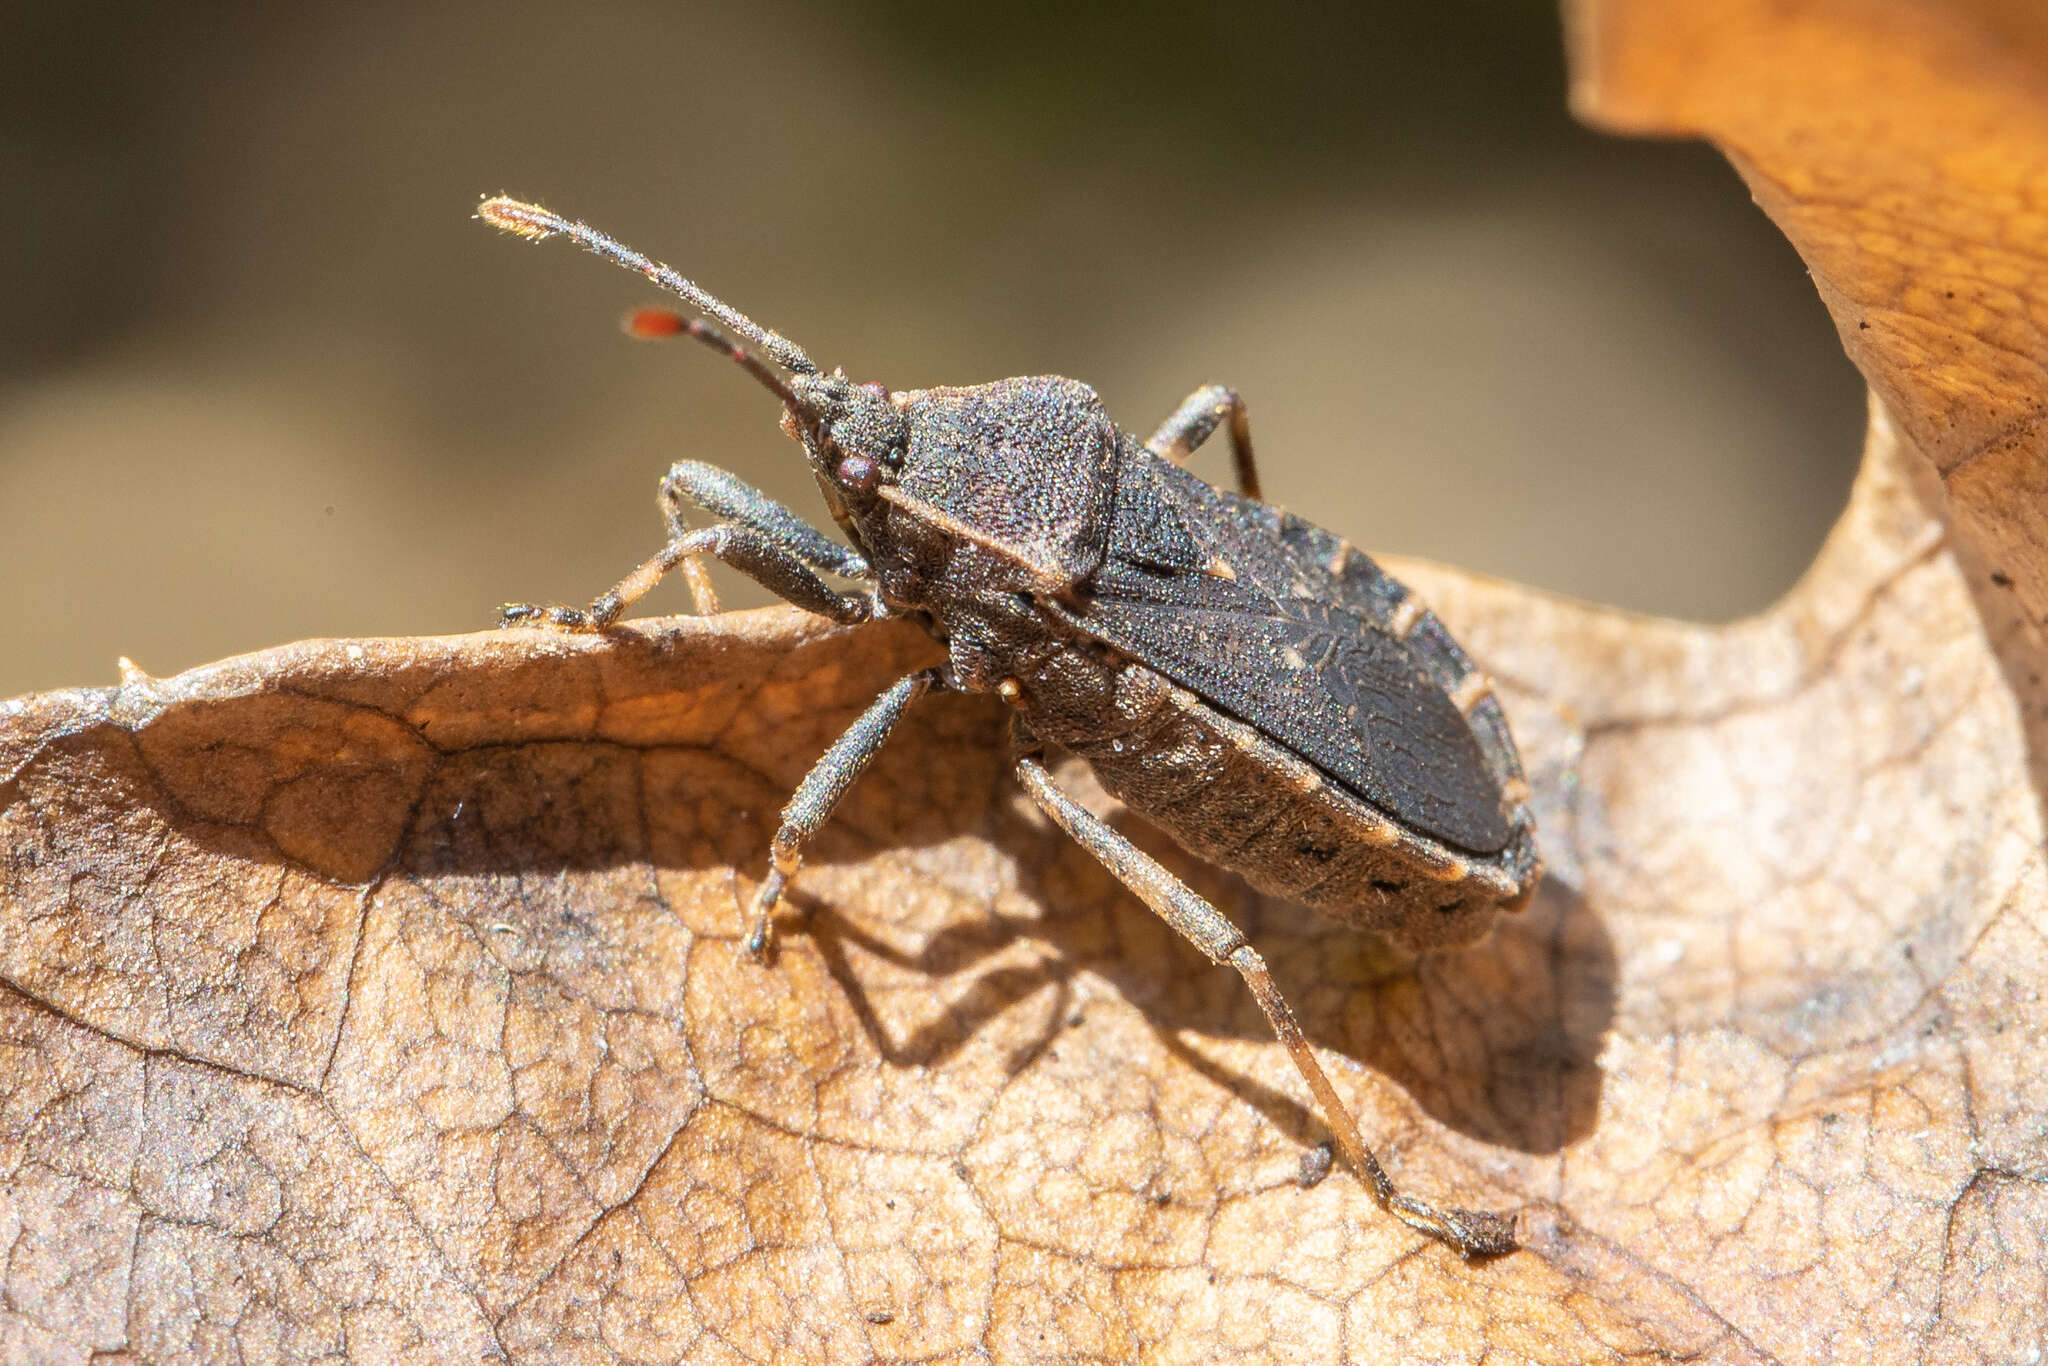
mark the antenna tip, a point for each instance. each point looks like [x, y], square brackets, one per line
[520, 218]
[653, 324]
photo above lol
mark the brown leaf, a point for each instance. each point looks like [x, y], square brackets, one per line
[383, 998]
[1903, 146]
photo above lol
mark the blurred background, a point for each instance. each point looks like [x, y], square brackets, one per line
[261, 377]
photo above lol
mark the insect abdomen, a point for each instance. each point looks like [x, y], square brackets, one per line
[1233, 798]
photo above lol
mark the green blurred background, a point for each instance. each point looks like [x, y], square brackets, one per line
[262, 378]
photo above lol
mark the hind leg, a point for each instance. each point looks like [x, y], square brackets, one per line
[1475, 1233]
[1192, 422]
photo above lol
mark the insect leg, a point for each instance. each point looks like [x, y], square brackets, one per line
[698, 485]
[751, 552]
[1191, 424]
[695, 484]
[1474, 1233]
[810, 806]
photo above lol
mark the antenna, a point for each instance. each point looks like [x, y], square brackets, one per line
[536, 224]
[655, 324]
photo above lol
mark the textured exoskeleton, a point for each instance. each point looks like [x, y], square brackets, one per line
[1245, 680]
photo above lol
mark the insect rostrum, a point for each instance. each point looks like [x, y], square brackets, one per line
[1246, 681]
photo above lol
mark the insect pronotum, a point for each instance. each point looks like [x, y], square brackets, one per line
[1245, 680]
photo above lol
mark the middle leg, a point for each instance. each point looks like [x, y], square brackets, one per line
[810, 806]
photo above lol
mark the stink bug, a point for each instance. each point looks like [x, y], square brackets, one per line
[1246, 681]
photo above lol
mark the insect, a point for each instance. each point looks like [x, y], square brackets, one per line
[1246, 681]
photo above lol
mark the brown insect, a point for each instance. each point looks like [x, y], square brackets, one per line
[1247, 681]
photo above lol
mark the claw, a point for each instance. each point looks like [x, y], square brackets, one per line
[760, 928]
[533, 614]
[1473, 1232]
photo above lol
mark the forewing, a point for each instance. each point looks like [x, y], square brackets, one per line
[1280, 642]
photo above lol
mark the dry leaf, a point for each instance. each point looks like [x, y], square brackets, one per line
[1903, 147]
[382, 999]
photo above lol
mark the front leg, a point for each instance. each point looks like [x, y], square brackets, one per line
[1192, 422]
[752, 553]
[694, 484]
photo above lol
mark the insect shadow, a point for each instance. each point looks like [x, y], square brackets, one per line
[1499, 1041]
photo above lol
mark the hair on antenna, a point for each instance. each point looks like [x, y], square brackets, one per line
[536, 224]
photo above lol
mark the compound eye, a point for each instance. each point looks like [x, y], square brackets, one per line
[859, 472]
